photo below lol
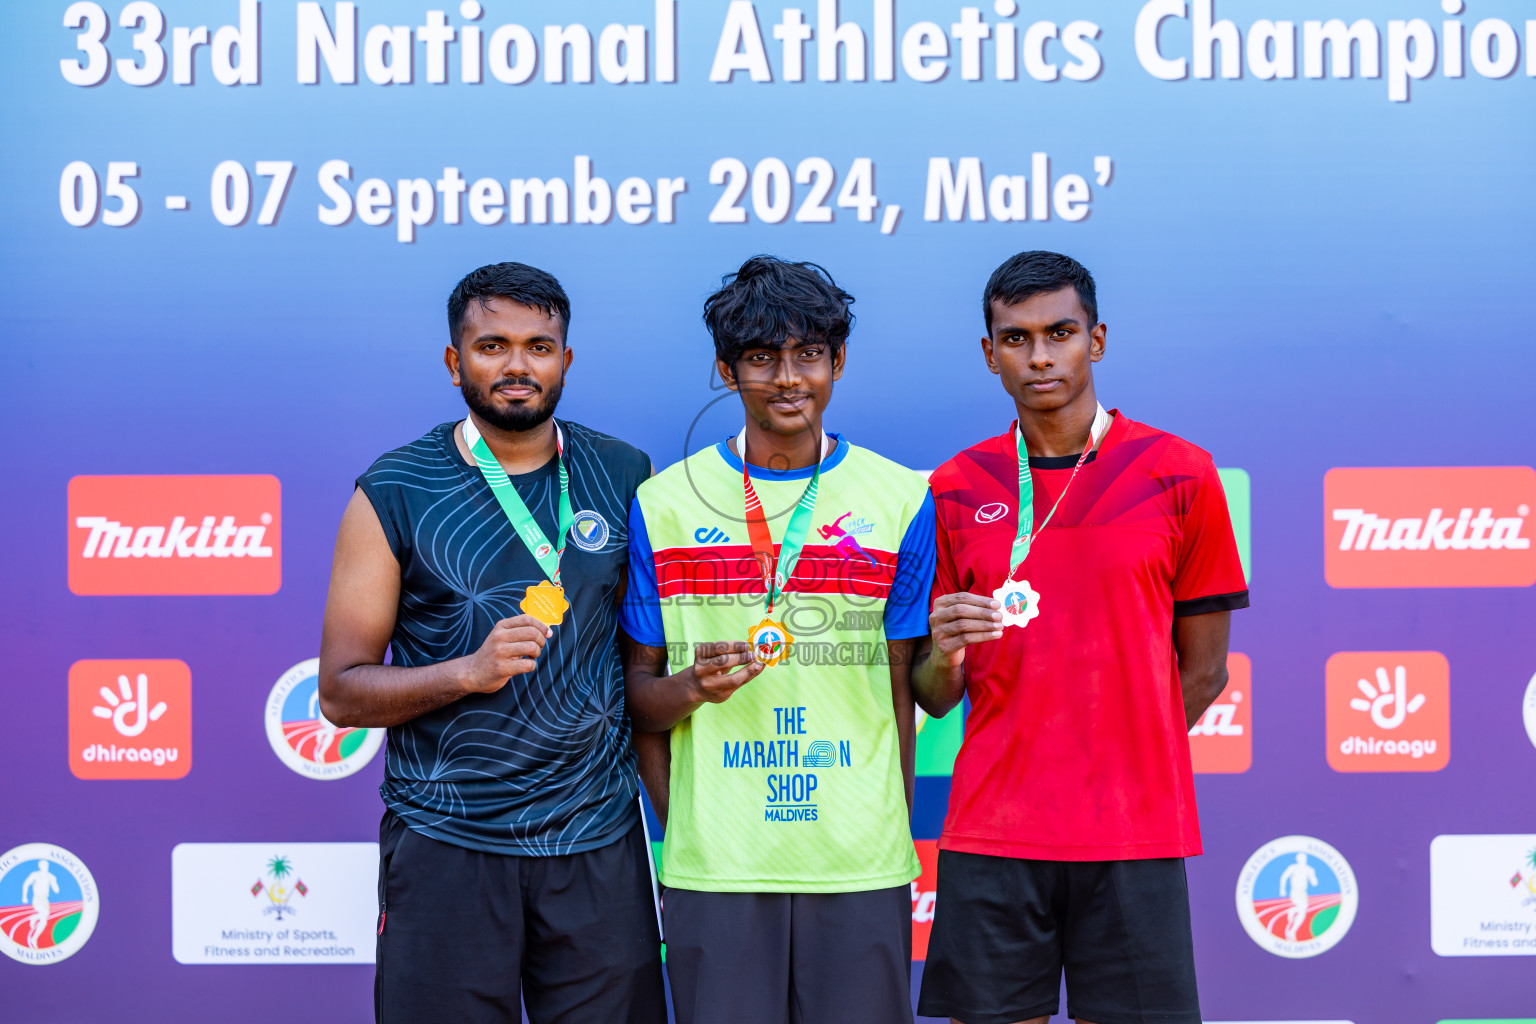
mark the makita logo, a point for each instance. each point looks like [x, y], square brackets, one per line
[1366, 531]
[1466, 526]
[175, 535]
[1222, 740]
[212, 539]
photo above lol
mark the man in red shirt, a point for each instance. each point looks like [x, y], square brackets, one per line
[1090, 633]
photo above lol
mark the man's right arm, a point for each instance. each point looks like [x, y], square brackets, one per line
[658, 701]
[956, 621]
[356, 687]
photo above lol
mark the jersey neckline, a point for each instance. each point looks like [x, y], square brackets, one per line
[803, 473]
[1112, 436]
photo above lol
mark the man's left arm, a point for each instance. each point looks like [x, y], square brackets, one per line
[1201, 644]
[906, 630]
[901, 653]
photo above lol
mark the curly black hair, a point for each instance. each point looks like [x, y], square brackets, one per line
[770, 301]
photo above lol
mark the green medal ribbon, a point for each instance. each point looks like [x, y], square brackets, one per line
[547, 554]
[775, 579]
[1026, 533]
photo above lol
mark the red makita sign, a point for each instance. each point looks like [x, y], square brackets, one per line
[1465, 526]
[175, 535]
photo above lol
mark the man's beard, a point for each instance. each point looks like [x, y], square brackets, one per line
[516, 418]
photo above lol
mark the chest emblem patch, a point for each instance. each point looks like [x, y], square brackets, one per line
[991, 513]
[589, 530]
[843, 539]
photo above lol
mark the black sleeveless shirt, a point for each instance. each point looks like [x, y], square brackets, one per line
[542, 766]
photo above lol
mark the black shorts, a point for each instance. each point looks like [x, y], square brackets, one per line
[464, 934]
[1004, 929]
[790, 958]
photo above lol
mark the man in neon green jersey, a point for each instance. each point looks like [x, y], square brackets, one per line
[786, 572]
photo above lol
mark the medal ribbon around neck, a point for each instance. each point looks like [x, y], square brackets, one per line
[776, 576]
[547, 554]
[1026, 532]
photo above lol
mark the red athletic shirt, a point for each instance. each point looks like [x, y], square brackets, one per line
[1076, 747]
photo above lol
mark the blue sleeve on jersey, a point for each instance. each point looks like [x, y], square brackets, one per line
[906, 610]
[640, 613]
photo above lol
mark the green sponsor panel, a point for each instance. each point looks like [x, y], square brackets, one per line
[938, 742]
[1239, 507]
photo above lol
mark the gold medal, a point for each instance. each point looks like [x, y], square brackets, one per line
[545, 602]
[770, 642]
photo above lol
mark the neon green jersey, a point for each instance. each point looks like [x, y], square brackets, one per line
[794, 783]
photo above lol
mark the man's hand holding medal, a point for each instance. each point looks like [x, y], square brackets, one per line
[720, 669]
[958, 620]
[512, 649]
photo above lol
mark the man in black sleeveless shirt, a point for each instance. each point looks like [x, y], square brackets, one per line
[488, 556]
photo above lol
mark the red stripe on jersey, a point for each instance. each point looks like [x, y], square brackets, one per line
[731, 569]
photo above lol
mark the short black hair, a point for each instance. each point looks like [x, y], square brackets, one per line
[516, 281]
[769, 300]
[1034, 273]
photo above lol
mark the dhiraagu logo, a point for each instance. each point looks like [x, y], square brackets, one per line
[1236, 484]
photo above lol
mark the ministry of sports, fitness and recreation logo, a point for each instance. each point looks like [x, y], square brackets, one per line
[277, 886]
[1482, 895]
[48, 903]
[1297, 897]
[589, 530]
[304, 739]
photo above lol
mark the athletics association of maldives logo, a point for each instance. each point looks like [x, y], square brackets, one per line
[48, 903]
[1466, 526]
[175, 535]
[1297, 897]
[304, 739]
